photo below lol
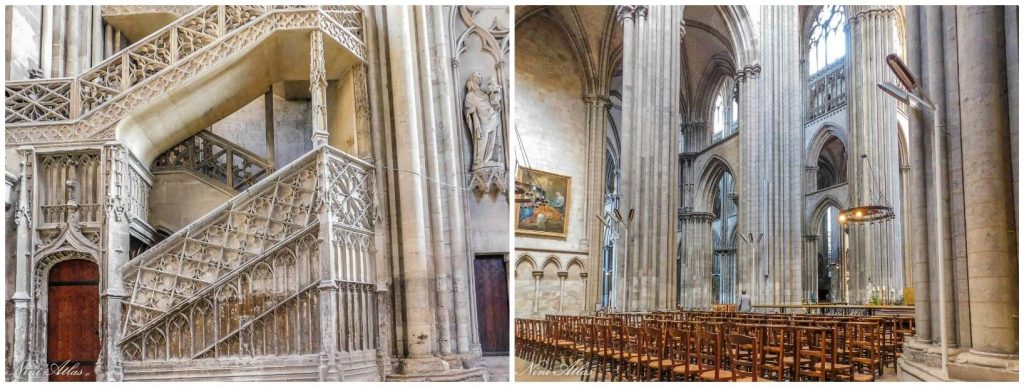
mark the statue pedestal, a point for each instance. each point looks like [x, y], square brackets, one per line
[487, 178]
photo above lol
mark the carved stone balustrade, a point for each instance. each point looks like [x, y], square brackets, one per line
[90, 105]
[212, 156]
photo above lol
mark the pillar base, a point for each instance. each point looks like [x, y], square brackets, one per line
[922, 361]
[435, 369]
[979, 366]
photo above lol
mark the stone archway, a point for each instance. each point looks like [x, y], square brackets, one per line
[71, 281]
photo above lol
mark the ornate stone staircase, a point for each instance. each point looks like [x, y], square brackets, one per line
[90, 105]
[270, 277]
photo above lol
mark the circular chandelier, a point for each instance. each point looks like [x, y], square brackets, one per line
[881, 211]
[866, 214]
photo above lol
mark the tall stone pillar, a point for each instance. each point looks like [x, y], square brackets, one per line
[778, 150]
[749, 218]
[917, 192]
[876, 257]
[419, 317]
[991, 237]
[318, 87]
[23, 255]
[650, 114]
[455, 210]
[597, 121]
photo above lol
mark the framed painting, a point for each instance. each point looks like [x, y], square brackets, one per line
[548, 213]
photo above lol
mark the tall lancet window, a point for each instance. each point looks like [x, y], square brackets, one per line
[828, 38]
[724, 112]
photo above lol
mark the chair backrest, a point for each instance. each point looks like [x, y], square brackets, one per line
[652, 343]
[743, 356]
[679, 346]
[630, 339]
[815, 348]
[709, 351]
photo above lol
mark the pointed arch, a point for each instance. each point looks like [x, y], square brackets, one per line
[822, 136]
[819, 210]
[715, 168]
[552, 260]
[526, 259]
[576, 261]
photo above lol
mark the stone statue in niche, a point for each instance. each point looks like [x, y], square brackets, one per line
[482, 110]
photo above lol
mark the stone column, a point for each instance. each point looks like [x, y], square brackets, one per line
[537, 275]
[749, 219]
[778, 163]
[23, 255]
[562, 275]
[810, 264]
[991, 237]
[46, 42]
[918, 236]
[419, 317]
[441, 266]
[651, 85]
[461, 264]
[116, 242]
[318, 87]
[697, 253]
[597, 110]
[72, 40]
[96, 49]
[878, 255]
[328, 286]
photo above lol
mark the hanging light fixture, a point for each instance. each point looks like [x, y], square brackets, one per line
[873, 208]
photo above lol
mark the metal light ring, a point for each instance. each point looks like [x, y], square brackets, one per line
[866, 214]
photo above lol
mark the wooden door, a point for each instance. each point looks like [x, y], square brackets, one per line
[491, 277]
[73, 321]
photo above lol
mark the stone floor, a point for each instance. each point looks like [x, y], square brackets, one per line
[497, 367]
[526, 373]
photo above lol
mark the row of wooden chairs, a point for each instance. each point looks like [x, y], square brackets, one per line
[669, 346]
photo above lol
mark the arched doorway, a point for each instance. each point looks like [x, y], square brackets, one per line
[73, 323]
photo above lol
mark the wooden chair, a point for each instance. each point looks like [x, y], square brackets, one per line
[680, 353]
[650, 361]
[777, 352]
[709, 357]
[629, 347]
[744, 356]
[864, 350]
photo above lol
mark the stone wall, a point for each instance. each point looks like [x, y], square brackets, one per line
[551, 284]
[23, 39]
[179, 198]
[550, 118]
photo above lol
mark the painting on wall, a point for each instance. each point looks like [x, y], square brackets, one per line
[547, 213]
